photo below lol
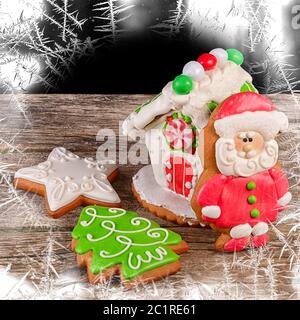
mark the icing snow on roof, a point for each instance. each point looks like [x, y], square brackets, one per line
[216, 85]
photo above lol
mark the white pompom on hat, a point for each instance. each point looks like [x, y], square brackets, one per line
[249, 111]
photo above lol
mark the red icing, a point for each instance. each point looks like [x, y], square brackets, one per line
[230, 194]
[181, 172]
[207, 60]
[242, 102]
[179, 135]
[260, 241]
[236, 244]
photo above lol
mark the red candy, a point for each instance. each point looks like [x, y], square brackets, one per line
[207, 60]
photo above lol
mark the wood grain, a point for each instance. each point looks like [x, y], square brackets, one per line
[30, 241]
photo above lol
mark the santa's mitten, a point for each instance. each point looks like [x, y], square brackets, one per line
[284, 200]
[212, 212]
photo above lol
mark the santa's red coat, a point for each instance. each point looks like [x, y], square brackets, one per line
[231, 195]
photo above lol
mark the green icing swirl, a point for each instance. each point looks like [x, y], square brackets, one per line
[120, 237]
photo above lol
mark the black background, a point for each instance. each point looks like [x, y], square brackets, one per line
[142, 61]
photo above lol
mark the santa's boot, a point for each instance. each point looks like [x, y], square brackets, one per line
[240, 238]
[236, 244]
[259, 236]
[260, 240]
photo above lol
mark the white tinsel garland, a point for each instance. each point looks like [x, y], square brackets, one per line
[27, 57]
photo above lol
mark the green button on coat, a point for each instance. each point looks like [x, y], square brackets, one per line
[251, 185]
[254, 213]
[251, 199]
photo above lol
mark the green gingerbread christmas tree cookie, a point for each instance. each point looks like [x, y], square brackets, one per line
[113, 240]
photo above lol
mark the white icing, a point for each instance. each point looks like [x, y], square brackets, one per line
[193, 160]
[216, 85]
[268, 123]
[153, 233]
[188, 185]
[67, 176]
[168, 165]
[241, 231]
[182, 139]
[92, 212]
[161, 253]
[284, 200]
[231, 164]
[220, 84]
[157, 148]
[169, 177]
[151, 192]
[158, 106]
[160, 154]
[212, 212]
[260, 229]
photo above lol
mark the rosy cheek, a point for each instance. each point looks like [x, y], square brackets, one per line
[257, 145]
[238, 144]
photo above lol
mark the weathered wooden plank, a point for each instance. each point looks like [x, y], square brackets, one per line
[28, 238]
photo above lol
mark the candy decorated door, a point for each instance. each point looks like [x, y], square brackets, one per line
[181, 137]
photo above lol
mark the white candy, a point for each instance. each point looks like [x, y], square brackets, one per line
[220, 54]
[169, 177]
[188, 185]
[194, 69]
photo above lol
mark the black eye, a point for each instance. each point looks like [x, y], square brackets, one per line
[250, 139]
[245, 139]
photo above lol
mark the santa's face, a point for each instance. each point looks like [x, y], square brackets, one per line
[249, 144]
[246, 154]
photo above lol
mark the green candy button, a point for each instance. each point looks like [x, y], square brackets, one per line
[251, 199]
[254, 213]
[251, 185]
[182, 84]
[235, 56]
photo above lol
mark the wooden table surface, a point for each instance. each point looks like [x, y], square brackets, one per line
[35, 256]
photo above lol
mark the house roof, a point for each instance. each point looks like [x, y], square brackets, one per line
[216, 85]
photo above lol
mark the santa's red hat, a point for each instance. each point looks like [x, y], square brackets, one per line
[249, 111]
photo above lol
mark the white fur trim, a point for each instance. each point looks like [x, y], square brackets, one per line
[212, 212]
[283, 201]
[260, 229]
[268, 123]
[241, 231]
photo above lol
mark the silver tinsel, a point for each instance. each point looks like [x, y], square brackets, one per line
[28, 57]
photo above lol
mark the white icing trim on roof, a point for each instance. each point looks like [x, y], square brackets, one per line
[217, 85]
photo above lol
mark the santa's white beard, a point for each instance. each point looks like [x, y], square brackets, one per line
[231, 164]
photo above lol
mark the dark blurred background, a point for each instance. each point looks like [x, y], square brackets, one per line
[149, 42]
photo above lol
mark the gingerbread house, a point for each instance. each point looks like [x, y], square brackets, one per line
[172, 123]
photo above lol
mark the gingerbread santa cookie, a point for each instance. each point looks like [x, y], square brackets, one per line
[111, 241]
[68, 181]
[242, 187]
[172, 123]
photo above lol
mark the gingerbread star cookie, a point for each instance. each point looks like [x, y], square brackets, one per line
[111, 241]
[68, 181]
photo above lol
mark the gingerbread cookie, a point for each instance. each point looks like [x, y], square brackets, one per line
[111, 241]
[242, 187]
[68, 181]
[172, 123]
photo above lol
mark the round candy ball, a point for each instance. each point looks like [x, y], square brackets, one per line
[207, 60]
[194, 69]
[235, 56]
[182, 84]
[220, 54]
